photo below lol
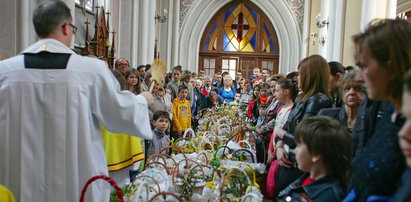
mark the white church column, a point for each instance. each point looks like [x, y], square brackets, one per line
[372, 9]
[136, 31]
[146, 31]
[167, 44]
[331, 29]
[323, 33]
[334, 41]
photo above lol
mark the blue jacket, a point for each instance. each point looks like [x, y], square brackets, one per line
[324, 189]
[378, 162]
[222, 92]
[404, 192]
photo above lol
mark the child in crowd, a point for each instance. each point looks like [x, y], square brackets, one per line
[285, 92]
[263, 93]
[323, 152]
[175, 83]
[253, 104]
[237, 98]
[181, 113]
[245, 93]
[261, 112]
[161, 121]
[256, 74]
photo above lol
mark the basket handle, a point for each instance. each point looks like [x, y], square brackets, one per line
[106, 178]
[156, 162]
[204, 154]
[165, 193]
[186, 141]
[224, 182]
[176, 168]
[158, 156]
[254, 178]
[262, 142]
[146, 176]
[163, 157]
[193, 134]
[246, 150]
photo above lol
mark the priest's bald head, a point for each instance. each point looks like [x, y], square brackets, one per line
[52, 19]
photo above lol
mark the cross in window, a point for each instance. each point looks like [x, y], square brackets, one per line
[240, 26]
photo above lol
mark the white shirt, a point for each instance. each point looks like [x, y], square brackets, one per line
[50, 141]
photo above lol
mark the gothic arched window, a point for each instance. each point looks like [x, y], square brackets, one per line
[239, 37]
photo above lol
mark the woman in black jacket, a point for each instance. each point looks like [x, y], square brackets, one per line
[313, 83]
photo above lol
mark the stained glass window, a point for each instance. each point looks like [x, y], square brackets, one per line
[240, 29]
[239, 36]
[211, 41]
[268, 45]
[88, 4]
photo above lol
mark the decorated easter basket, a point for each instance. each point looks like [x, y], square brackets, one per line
[231, 188]
[188, 145]
[118, 191]
[145, 179]
[162, 158]
[143, 192]
[165, 197]
[188, 178]
[156, 164]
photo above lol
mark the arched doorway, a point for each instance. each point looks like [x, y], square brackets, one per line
[239, 37]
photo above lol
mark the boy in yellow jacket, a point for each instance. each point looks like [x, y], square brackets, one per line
[181, 113]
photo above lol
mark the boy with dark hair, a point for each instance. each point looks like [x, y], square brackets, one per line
[161, 121]
[181, 113]
[324, 153]
[175, 83]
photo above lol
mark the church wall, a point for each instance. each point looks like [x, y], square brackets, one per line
[17, 31]
[8, 33]
[352, 26]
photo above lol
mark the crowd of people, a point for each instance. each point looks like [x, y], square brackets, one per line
[334, 133]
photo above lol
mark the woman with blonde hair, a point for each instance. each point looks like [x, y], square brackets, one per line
[313, 83]
[227, 91]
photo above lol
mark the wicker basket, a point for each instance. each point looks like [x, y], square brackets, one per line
[190, 167]
[109, 180]
[164, 194]
[164, 158]
[224, 184]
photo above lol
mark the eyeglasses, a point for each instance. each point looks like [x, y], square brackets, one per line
[74, 28]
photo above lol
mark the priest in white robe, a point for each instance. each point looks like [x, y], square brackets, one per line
[52, 103]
